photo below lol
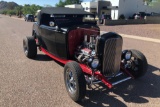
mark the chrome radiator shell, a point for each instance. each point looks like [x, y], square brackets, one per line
[109, 50]
[112, 56]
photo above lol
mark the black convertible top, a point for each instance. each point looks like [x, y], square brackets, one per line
[47, 11]
[63, 10]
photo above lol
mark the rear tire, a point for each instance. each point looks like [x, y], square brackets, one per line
[30, 47]
[74, 81]
[140, 62]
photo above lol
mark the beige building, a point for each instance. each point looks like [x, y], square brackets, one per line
[74, 6]
[115, 8]
[98, 8]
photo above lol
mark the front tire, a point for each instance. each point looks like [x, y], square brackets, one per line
[139, 62]
[30, 47]
[74, 81]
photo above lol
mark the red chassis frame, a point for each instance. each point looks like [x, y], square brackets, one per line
[87, 70]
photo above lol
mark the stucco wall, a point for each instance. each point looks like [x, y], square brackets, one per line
[74, 6]
[155, 7]
[114, 22]
[114, 2]
[86, 5]
[153, 20]
[129, 7]
[114, 12]
[100, 6]
[148, 20]
[124, 22]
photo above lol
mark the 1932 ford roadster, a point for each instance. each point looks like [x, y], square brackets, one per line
[68, 37]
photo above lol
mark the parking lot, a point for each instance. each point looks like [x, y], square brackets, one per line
[39, 83]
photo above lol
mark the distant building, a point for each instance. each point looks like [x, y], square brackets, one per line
[129, 7]
[115, 8]
[98, 7]
[94, 7]
[74, 6]
[90, 6]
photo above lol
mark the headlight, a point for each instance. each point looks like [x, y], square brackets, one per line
[128, 55]
[95, 63]
[51, 23]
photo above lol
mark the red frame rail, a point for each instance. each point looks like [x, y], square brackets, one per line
[86, 69]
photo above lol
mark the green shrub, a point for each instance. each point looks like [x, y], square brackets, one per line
[4, 12]
[11, 12]
[122, 16]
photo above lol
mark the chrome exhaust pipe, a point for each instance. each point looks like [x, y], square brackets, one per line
[115, 83]
[96, 82]
[119, 74]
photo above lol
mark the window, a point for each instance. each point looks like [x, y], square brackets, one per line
[46, 19]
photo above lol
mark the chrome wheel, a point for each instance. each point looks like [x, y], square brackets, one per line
[30, 47]
[71, 83]
[25, 47]
[133, 65]
[138, 64]
[74, 81]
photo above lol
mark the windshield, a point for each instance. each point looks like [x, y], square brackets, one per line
[30, 16]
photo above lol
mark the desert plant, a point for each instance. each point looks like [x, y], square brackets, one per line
[122, 16]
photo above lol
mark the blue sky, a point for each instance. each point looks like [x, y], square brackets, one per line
[38, 2]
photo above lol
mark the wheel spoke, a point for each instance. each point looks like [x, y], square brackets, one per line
[26, 52]
[136, 62]
[71, 81]
[136, 69]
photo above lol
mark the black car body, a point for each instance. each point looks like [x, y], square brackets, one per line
[29, 17]
[58, 38]
[89, 57]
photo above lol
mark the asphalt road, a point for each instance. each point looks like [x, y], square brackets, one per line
[39, 83]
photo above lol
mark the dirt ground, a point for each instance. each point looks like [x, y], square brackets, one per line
[144, 30]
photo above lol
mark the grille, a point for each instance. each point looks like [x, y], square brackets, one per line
[112, 56]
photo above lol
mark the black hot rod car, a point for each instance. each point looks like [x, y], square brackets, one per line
[67, 36]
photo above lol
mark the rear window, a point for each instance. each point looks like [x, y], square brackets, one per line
[65, 20]
[31, 16]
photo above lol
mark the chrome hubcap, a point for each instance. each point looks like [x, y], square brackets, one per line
[25, 47]
[71, 83]
[134, 64]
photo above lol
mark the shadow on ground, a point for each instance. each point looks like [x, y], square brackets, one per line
[134, 91]
[43, 57]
